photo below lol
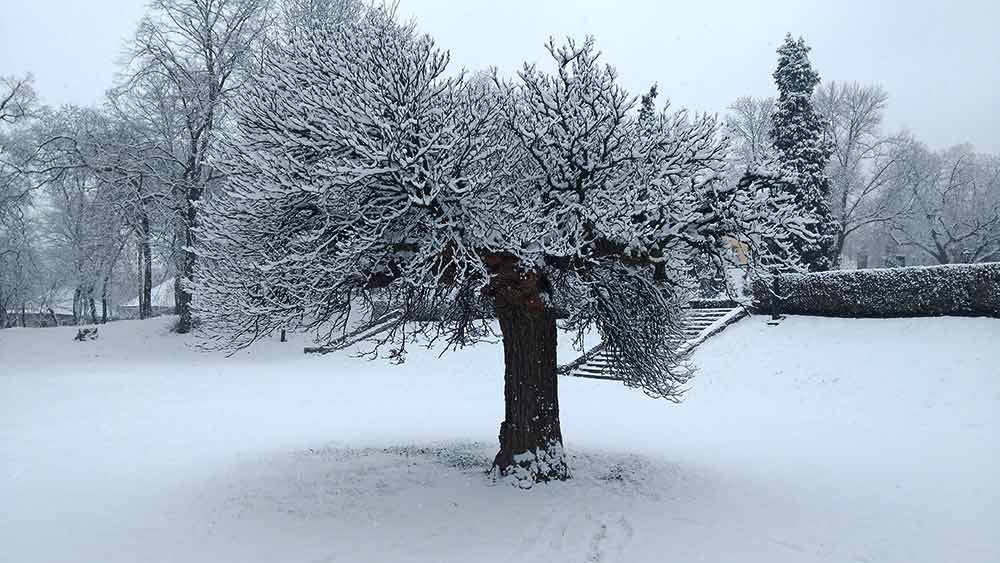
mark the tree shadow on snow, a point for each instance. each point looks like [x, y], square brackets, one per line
[436, 502]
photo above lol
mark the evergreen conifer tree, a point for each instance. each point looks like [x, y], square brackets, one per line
[803, 152]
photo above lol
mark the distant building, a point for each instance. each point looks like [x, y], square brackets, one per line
[163, 301]
[54, 308]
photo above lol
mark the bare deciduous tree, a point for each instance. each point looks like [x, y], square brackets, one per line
[192, 56]
[18, 258]
[864, 161]
[953, 208]
[84, 225]
[748, 124]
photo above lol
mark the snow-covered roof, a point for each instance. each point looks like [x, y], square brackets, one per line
[60, 301]
[162, 295]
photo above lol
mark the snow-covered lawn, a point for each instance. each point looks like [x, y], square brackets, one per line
[816, 440]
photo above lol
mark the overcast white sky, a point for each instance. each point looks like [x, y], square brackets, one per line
[939, 61]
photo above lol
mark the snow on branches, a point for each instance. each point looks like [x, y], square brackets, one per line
[361, 174]
[366, 183]
[618, 205]
[358, 165]
[798, 133]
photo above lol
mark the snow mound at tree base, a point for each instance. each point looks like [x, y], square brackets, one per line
[434, 501]
[536, 466]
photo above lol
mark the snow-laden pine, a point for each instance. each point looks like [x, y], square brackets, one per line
[803, 152]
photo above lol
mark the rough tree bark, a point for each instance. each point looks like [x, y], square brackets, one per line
[185, 257]
[77, 306]
[145, 268]
[530, 436]
[104, 299]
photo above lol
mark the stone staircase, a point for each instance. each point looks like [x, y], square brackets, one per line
[702, 321]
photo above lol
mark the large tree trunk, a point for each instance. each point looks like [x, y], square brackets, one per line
[530, 436]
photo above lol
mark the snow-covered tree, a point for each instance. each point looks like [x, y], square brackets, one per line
[299, 17]
[803, 151]
[748, 125]
[18, 248]
[17, 106]
[864, 163]
[948, 203]
[364, 179]
[191, 56]
[81, 220]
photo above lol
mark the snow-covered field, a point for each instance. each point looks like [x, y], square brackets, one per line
[816, 440]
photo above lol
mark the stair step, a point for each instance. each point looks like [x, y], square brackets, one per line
[707, 311]
[593, 376]
[695, 323]
[592, 373]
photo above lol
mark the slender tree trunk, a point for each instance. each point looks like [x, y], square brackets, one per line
[104, 301]
[93, 307]
[3, 309]
[145, 269]
[182, 298]
[838, 249]
[530, 436]
[77, 307]
[139, 276]
[186, 258]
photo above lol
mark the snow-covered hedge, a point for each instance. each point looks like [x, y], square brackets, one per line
[954, 289]
[712, 303]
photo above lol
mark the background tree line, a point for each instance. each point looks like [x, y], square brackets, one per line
[98, 204]
[894, 200]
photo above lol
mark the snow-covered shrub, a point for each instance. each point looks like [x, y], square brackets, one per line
[954, 289]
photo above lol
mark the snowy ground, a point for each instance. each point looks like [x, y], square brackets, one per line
[817, 440]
